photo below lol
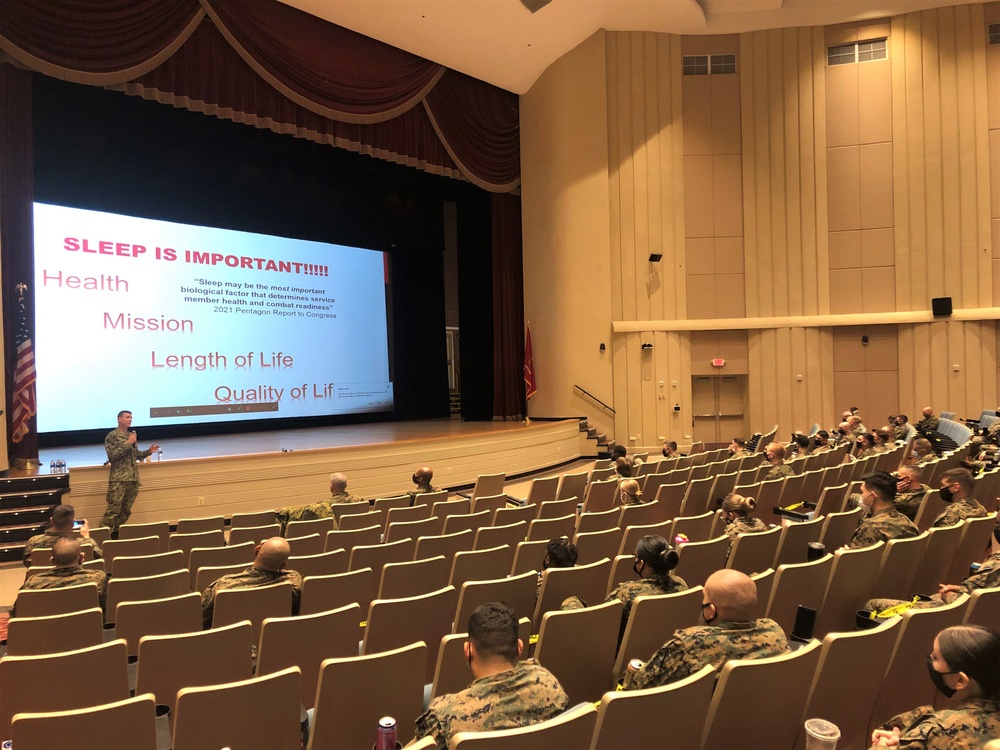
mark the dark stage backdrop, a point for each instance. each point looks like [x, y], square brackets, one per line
[104, 150]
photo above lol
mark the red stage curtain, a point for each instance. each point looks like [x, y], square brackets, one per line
[508, 310]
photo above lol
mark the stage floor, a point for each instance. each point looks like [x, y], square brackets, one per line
[283, 441]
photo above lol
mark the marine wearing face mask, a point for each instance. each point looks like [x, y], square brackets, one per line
[964, 664]
[882, 522]
[957, 486]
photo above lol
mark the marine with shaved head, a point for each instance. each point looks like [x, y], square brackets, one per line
[270, 557]
[322, 509]
[731, 631]
[422, 478]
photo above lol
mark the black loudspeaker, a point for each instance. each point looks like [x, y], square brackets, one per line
[941, 306]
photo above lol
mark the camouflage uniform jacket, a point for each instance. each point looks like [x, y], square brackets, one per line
[908, 503]
[779, 471]
[882, 526]
[927, 424]
[248, 579]
[76, 575]
[518, 697]
[968, 726]
[743, 526]
[967, 507]
[899, 431]
[123, 457]
[692, 648]
[46, 540]
[627, 591]
[420, 490]
[322, 509]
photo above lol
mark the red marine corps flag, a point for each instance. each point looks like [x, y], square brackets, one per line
[530, 386]
[24, 374]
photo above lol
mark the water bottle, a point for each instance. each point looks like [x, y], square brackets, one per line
[52, 466]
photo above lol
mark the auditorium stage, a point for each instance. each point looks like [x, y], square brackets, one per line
[223, 474]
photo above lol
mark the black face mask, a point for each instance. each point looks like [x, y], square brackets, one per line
[946, 494]
[938, 679]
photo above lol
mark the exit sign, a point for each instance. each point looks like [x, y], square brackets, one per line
[718, 362]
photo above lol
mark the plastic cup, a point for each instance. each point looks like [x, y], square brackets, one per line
[821, 734]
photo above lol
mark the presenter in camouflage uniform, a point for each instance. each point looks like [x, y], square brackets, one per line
[123, 484]
[322, 509]
[987, 577]
[268, 567]
[964, 665]
[68, 571]
[957, 486]
[729, 602]
[505, 693]
[878, 491]
[910, 492]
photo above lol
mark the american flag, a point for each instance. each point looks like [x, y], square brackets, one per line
[24, 374]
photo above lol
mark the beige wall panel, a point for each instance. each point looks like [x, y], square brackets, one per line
[700, 254]
[845, 290]
[881, 397]
[729, 254]
[874, 100]
[876, 185]
[878, 290]
[841, 33]
[730, 295]
[704, 346]
[697, 93]
[696, 45]
[877, 247]
[564, 188]
[733, 345]
[701, 297]
[844, 187]
[699, 215]
[726, 136]
[996, 281]
[992, 15]
[882, 352]
[849, 390]
[724, 44]
[845, 249]
[848, 350]
[994, 140]
[727, 183]
[842, 106]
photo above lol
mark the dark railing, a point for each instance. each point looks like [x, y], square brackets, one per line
[594, 398]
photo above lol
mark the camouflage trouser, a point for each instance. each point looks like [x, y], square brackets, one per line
[121, 495]
[880, 605]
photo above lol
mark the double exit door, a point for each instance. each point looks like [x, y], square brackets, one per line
[719, 408]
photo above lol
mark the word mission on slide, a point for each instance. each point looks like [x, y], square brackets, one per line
[184, 324]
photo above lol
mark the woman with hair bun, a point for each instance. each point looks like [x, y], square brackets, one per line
[654, 559]
[629, 492]
[965, 664]
[736, 511]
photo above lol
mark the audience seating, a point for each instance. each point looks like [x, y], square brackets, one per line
[453, 507]
[159, 529]
[510, 534]
[599, 521]
[674, 712]
[397, 530]
[324, 564]
[515, 514]
[942, 546]
[745, 712]
[481, 565]
[529, 556]
[103, 669]
[253, 534]
[633, 534]
[209, 574]
[187, 542]
[930, 508]
[168, 663]
[671, 498]
[588, 582]
[852, 581]
[229, 715]
[44, 602]
[470, 521]
[250, 520]
[984, 608]
[87, 564]
[127, 723]
[33, 636]
[601, 496]
[147, 545]
[975, 538]
[542, 490]
[573, 485]
[349, 539]
[140, 566]
[233, 606]
[838, 528]
[831, 500]
[697, 496]
[144, 589]
[359, 521]
[419, 512]
[596, 545]
[519, 592]
[643, 514]
[238, 554]
[304, 528]
[200, 525]
[394, 623]
[42, 556]
[413, 578]
[851, 664]
[323, 593]
[898, 566]
[793, 546]
[573, 728]
[698, 560]
[384, 504]
[797, 584]
[652, 623]
[696, 528]
[171, 615]
[557, 509]
[305, 641]
[621, 571]
[377, 555]
[754, 552]
[487, 485]
[342, 510]
[488, 503]
[447, 545]
[346, 715]
[551, 528]
[905, 685]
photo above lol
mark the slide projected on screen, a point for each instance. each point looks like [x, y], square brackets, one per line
[185, 324]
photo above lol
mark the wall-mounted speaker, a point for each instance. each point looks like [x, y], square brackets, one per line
[941, 306]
